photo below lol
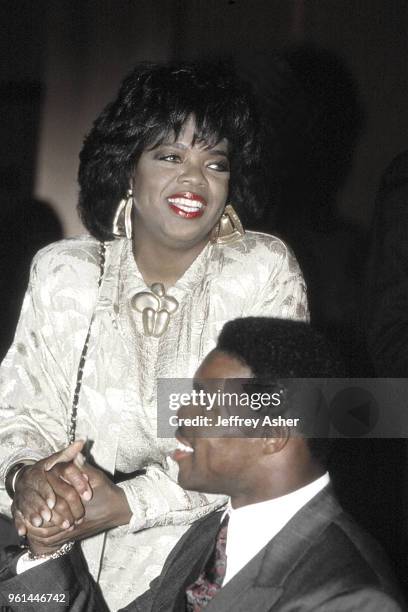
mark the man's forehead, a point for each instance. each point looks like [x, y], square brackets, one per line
[225, 385]
[220, 365]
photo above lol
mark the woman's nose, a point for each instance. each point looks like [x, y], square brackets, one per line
[191, 174]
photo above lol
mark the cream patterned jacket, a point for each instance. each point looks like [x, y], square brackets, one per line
[257, 275]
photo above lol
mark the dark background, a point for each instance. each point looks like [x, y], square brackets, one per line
[61, 61]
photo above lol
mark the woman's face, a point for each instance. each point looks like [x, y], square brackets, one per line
[180, 190]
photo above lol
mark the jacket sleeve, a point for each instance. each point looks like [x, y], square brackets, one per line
[35, 389]
[157, 499]
[51, 586]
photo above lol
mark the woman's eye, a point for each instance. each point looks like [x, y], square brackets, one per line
[170, 157]
[221, 166]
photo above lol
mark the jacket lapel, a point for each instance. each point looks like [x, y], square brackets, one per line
[243, 593]
[260, 584]
[289, 547]
[184, 565]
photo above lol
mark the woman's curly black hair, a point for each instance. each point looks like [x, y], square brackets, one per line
[156, 100]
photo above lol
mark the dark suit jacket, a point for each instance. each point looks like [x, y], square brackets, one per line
[319, 561]
[387, 299]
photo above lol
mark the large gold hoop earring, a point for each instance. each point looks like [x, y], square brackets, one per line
[229, 227]
[122, 221]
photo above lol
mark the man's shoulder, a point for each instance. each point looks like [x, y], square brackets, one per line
[343, 559]
[353, 553]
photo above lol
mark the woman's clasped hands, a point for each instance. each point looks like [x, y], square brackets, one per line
[63, 498]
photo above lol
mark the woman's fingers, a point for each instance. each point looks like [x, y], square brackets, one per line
[67, 464]
[73, 476]
[32, 505]
[61, 514]
[49, 535]
[51, 490]
[30, 514]
[19, 523]
[79, 460]
[67, 493]
[33, 479]
[65, 456]
[47, 531]
[37, 501]
[36, 511]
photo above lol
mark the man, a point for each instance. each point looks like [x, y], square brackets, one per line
[287, 544]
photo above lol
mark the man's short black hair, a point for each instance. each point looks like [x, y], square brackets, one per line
[276, 349]
[155, 101]
[279, 348]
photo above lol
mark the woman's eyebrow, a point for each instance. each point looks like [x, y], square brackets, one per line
[182, 146]
[217, 148]
[178, 145]
[219, 152]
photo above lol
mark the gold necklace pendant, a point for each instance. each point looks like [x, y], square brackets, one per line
[156, 308]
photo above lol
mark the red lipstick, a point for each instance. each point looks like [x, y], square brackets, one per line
[187, 204]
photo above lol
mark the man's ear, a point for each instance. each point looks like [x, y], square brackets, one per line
[276, 440]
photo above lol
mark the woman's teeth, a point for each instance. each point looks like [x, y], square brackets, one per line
[186, 205]
[184, 448]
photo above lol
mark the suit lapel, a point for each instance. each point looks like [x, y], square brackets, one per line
[260, 584]
[292, 543]
[243, 594]
[185, 564]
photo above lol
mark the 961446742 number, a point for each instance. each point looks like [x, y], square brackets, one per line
[21, 598]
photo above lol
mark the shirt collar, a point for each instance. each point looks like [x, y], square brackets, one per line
[251, 527]
[297, 498]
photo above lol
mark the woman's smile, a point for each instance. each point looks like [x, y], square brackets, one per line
[187, 205]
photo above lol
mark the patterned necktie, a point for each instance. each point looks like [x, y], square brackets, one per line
[209, 582]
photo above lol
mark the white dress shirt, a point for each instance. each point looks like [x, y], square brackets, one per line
[251, 527]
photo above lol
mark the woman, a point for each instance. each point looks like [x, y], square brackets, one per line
[145, 296]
